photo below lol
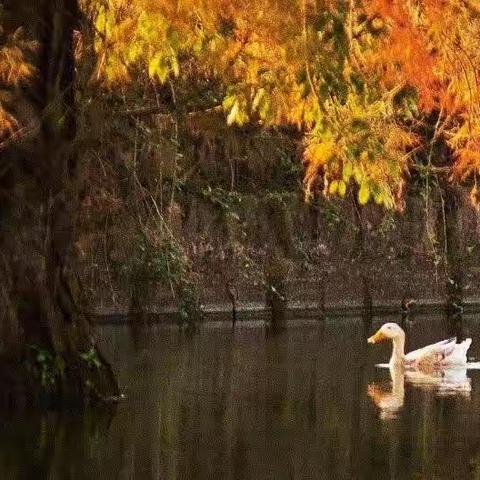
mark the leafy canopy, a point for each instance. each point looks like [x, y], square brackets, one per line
[358, 78]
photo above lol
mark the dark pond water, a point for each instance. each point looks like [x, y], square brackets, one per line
[243, 405]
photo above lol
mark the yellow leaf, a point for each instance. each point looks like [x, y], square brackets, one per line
[264, 108]
[320, 153]
[347, 171]
[101, 21]
[363, 194]
[233, 113]
[162, 72]
[228, 102]
[332, 189]
[364, 156]
[357, 174]
[258, 98]
[388, 201]
[153, 65]
[342, 188]
[378, 197]
[175, 66]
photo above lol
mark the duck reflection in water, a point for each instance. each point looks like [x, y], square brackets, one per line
[389, 397]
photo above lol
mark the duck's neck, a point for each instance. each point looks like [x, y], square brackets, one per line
[398, 352]
[398, 382]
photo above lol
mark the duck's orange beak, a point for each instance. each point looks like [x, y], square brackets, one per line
[378, 337]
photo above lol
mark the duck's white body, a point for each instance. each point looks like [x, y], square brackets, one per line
[444, 354]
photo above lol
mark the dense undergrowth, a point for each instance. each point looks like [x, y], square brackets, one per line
[171, 213]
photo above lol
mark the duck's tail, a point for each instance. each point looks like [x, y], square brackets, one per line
[459, 354]
[466, 344]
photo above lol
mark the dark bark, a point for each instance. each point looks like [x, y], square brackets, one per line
[453, 245]
[454, 260]
[47, 350]
[232, 294]
[449, 224]
[360, 257]
[276, 272]
[277, 262]
[322, 296]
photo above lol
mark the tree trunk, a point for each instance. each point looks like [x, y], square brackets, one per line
[454, 261]
[276, 272]
[46, 348]
[360, 256]
[452, 244]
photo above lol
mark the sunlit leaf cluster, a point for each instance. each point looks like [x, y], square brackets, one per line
[277, 63]
[433, 46]
[361, 143]
[358, 78]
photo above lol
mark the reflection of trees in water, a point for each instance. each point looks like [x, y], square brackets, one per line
[55, 445]
[278, 405]
[355, 451]
[238, 405]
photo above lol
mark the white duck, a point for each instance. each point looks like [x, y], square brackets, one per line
[444, 354]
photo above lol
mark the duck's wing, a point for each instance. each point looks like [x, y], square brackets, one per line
[444, 353]
[422, 352]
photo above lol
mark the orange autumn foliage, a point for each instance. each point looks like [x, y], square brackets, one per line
[355, 77]
[433, 46]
